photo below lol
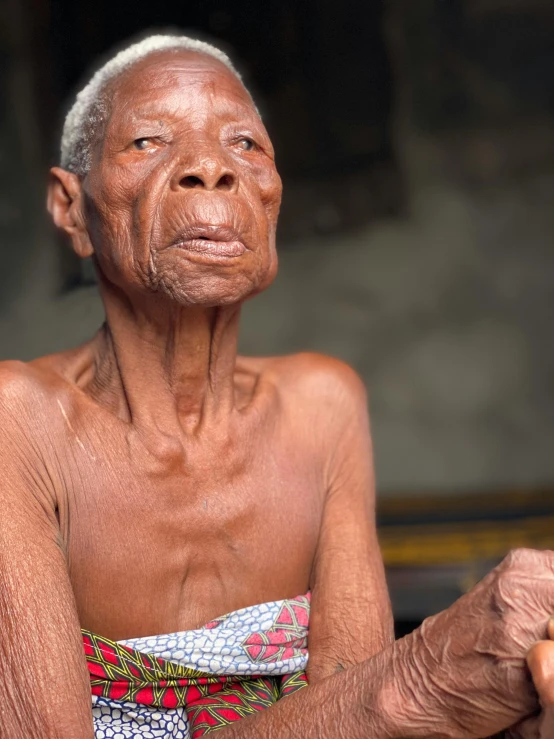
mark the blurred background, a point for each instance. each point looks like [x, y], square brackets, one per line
[415, 139]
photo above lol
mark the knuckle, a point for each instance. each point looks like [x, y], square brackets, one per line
[498, 593]
[517, 557]
[524, 558]
[523, 585]
[505, 592]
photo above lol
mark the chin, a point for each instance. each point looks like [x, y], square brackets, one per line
[215, 291]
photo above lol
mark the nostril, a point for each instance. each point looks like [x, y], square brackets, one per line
[191, 181]
[225, 182]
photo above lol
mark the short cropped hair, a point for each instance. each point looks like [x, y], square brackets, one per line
[88, 113]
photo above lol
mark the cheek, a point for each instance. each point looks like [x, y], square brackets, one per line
[270, 190]
[126, 204]
[119, 229]
[104, 224]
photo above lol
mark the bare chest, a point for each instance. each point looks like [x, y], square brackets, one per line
[157, 545]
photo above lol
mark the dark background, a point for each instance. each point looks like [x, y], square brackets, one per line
[415, 141]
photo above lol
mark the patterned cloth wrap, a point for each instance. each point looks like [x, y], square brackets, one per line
[190, 683]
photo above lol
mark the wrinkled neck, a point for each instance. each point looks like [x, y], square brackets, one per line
[161, 363]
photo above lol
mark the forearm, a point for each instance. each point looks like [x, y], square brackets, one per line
[343, 705]
[364, 702]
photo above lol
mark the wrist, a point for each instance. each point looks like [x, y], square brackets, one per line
[397, 701]
[404, 704]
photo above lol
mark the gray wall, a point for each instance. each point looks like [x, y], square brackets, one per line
[445, 312]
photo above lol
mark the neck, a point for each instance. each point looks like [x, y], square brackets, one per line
[159, 363]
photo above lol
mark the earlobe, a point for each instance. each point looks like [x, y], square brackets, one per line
[64, 203]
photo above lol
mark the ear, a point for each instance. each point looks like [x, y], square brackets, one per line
[65, 204]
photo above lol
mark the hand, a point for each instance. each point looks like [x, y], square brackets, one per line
[467, 675]
[541, 664]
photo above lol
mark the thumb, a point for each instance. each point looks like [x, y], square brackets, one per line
[541, 663]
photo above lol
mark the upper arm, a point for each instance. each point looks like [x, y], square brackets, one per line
[43, 666]
[351, 617]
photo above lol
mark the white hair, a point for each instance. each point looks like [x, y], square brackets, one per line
[88, 111]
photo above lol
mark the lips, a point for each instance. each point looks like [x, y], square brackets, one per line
[219, 241]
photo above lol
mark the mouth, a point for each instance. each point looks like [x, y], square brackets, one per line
[217, 241]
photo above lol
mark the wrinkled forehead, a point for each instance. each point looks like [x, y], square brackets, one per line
[175, 78]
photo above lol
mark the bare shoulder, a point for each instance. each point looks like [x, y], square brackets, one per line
[17, 380]
[28, 441]
[317, 375]
[322, 373]
[317, 382]
[27, 389]
[25, 432]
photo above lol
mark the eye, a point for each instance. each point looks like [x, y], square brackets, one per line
[246, 144]
[142, 144]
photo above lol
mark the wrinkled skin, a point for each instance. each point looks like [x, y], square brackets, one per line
[153, 479]
[462, 675]
[485, 637]
[217, 453]
[541, 664]
[189, 149]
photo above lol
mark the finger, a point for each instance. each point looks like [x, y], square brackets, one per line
[551, 629]
[541, 663]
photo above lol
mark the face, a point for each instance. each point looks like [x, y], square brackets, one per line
[183, 195]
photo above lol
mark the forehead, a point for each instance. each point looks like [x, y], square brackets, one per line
[178, 77]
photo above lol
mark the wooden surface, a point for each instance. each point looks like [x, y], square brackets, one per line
[434, 530]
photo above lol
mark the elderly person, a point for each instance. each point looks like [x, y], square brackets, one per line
[153, 480]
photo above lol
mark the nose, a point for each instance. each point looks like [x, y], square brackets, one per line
[207, 174]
